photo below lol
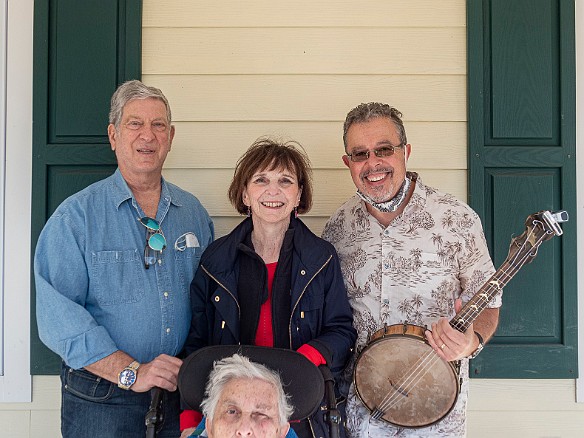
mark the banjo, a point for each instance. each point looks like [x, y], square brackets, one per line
[401, 379]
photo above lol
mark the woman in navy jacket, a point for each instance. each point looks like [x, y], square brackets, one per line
[271, 281]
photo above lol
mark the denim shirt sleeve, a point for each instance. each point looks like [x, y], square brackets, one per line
[61, 278]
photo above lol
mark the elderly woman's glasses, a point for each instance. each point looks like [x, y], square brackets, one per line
[384, 151]
[155, 241]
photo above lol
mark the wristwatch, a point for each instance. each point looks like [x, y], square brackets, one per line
[479, 348]
[128, 375]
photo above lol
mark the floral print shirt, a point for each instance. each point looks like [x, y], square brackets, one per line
[410, 272]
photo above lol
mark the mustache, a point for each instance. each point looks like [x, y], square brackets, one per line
[376, 170]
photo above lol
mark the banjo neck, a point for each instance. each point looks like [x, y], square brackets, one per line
[540, 227]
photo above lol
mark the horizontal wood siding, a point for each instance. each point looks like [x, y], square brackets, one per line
[304, 13]
[305, 50]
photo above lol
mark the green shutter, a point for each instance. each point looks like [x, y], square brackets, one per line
[82, 52]
[522, 139]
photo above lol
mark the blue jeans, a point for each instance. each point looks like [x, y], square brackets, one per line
[94, 407]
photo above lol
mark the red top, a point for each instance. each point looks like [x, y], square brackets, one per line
[265, 333]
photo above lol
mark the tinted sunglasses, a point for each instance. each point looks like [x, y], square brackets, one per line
[155, 241]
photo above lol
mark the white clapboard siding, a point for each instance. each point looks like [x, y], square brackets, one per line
[423, 98]
[217, 145]
[304, 13]
[304, 51]
[527, 424]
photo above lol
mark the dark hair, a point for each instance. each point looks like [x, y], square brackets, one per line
[367, 111]
[269, 154]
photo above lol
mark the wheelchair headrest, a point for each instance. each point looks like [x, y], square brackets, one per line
[301, 379]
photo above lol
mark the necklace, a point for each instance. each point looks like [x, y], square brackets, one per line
[394, 203]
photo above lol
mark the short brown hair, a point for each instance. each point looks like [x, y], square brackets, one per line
[268, 154]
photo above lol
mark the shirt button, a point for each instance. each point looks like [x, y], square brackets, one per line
[168, 330]
[386, 232]
[385, 301]
[165, 294]
[217, 299]
[302, 272]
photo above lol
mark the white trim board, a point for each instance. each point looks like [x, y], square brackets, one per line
[15, 382]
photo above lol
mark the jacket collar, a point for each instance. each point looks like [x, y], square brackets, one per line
[220, 257]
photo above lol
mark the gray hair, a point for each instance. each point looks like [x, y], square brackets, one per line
[240, 367]
[372, 110]
[132, 90]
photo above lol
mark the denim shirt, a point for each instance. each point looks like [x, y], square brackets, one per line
[94, 295]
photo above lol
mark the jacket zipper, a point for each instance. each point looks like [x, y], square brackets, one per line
[300, 297]
[226, 290]
[311, 428]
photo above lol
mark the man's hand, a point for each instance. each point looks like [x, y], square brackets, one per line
[161, 372]
[449, 343]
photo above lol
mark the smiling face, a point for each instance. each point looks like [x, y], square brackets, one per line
[377, 177]
[272, 195]
[142, 140]
[247, 408]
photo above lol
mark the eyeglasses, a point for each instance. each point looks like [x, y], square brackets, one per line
[384, 151]
[155, 241]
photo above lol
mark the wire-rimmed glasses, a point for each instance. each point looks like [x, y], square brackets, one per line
[384, 151]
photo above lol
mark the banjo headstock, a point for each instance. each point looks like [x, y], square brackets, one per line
[539, 227]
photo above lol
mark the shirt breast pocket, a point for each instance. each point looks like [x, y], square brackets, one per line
[116, 276]
[433, 281]
[186, 263]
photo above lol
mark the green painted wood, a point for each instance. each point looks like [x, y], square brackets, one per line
[82, 52]
[521, 130]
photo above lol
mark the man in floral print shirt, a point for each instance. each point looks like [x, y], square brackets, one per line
[409, 253]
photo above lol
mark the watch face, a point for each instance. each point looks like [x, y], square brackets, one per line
[127, 377]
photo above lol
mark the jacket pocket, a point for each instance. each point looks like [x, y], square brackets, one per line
[308, 316]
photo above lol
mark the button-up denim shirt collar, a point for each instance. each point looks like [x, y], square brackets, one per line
[121, 193]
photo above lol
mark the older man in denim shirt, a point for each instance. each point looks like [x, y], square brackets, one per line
[112, 268]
